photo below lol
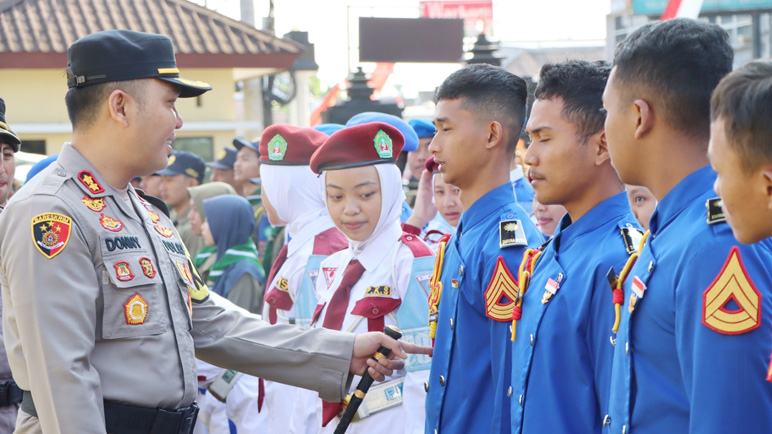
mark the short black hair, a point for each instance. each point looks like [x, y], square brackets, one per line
[743, 101]
[83, 103]
[491, 91]
[676, 63]
[580, 84]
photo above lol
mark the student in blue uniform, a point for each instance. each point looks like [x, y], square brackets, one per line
[480, 113]
[740, 153]
[561, 355]
[693, 344]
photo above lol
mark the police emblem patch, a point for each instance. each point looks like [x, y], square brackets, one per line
[378, 291]
[501, 294]
[94, 204]
[193, 173]
[277, 147]
[50, 233]
[511, 233]
[147, 267]
[383, 144]
[111, 224]
[135, 310]
[165, 232]
[154, 217]
[123, 272]
[87, 179]
[732, 303]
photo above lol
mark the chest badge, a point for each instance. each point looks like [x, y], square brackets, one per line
[95, 204]
[123, 272]
[329, 275]
[639, 288]
[135, 310]
[501, 294]
[165, 232]
[154, 217]
[147, 267]
[378, 291]
[551, 288]
[111, 224]
[87, 179]
[731, 304]
[283, 284]
[50, 233]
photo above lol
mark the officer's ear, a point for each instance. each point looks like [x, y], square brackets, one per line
[116, 106]
[766, 173]
[495, 135]
[599, 146]
[644, 118]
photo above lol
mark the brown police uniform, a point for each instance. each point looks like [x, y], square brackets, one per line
[103, 307]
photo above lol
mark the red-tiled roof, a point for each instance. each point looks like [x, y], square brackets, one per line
[36, 33]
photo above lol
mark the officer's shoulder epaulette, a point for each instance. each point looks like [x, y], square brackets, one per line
[511, 232]
[631, 236]
[158, 203]
[715, 211]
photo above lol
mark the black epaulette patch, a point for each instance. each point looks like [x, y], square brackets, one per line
[511, 233]
[715, 211]
[632, 237]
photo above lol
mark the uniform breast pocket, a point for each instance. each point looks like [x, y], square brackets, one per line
[132, 291]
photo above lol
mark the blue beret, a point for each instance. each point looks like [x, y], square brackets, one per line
[411, 138]
[329, 128]
[422, 127]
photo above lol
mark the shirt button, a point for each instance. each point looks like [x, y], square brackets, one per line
[451, 323]
[435, 431]
[454, 283]
[442, 380]
[531, 339]
[627, 348]
[321, 237]
[461, 270]
[509, 392]
[426, 387]
[606, 421]
[520, 401]
[375, 311]
[651, 265]
[408, 238]
[624, 429]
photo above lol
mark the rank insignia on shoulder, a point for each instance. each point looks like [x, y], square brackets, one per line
[123, 272]
[378, 291]
[136, 310]
[732, 304]
[632, 238]
[50, 233]
[283, 284]
[147, 267]
[111, 224]
[511, 233]
[715, 208]
[95, 204]
[501, 294]
[87, 179]
[165, 232]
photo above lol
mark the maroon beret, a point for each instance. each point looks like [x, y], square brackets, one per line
[431, 165]
[359, 145]
[288, 145]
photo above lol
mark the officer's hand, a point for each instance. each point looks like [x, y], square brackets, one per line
[424, 210]
[366, 344]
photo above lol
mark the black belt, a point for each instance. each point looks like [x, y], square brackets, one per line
[9, 393]
[130, 419]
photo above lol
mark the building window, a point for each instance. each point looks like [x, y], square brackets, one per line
[34, 146]
[201, 146]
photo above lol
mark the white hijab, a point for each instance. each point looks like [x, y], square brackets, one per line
[297, 195]
[392, 197]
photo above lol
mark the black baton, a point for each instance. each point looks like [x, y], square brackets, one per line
[365, 383]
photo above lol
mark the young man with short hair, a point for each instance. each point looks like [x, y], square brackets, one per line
[693, 344]
[567, 305]
[480, 113]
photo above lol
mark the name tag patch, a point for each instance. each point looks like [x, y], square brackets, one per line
[378, 291]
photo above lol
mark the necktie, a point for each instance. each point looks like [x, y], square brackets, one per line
[336, 312]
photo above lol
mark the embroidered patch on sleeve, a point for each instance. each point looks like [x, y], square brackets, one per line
[282, 284]
[135, 310]
[50, 233]
[501, 294]
[511, 233]
[732, 304]
[378, 291]
[197, 289]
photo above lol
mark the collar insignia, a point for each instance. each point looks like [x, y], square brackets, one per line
[111, 224]
[165, 232]
[95, 204]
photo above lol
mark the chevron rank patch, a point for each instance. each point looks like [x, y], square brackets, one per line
[511, 233]
[378, 291]
[135, 310]
[715, 211]
[51, 233]
[501, 294]
[87, 179]
[732, 304]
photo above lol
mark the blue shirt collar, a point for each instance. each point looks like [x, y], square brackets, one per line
[681, 196]
[483, 207]
[610, 209]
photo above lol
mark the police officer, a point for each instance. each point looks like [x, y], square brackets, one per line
[473, 286]
[184, 170]
[10, 394]
[222, 168]
[104, 310]
[693, 344]
[567, 306]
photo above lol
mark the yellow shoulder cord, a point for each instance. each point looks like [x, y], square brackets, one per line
[524, 278]
[619, 295]
[436, 288]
